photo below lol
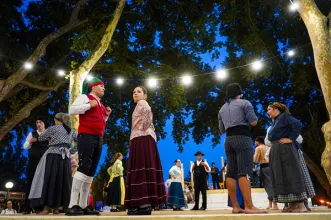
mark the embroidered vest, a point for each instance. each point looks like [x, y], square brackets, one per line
[94, 120]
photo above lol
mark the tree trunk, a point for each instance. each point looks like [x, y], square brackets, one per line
[320, 175]
[319, 33]
[77, 76]
[7, 85]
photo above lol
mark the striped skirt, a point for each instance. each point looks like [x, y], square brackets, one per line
[306, 176]
[176, 194]
[288, 176]
[144, 181]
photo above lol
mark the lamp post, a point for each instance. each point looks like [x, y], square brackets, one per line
[8, 186]
[192, 181]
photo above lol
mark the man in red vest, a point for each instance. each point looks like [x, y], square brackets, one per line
[92, 122]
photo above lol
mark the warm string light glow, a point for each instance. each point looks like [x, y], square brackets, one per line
[221, 74]
[120, 81]
[89, 77]
[187, 80]
[291, 53]
[28, 66]
[152, 82]
[257, 65]
[294, 6]
[61, 73]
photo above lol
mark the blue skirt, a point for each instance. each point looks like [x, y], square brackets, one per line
[176, 195]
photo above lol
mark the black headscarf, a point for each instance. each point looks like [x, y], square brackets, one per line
[43, 119]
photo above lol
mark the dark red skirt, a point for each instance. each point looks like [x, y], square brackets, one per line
[144, 181]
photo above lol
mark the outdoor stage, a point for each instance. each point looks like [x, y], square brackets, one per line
[217, 210]
[185, 215]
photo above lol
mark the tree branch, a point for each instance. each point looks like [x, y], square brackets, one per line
[40, 51]
[78, 75]
[40, 87]
[26, 110]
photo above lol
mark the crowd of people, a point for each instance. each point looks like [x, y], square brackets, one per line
[60, 178]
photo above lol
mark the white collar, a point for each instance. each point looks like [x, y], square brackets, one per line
[98, 98]
[40, 132]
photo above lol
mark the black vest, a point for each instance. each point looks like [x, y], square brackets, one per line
[37, 149]
[199, 171]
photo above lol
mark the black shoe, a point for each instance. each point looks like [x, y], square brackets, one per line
[178, 209]
[74, 211]
[133, 211]
[202, 208]
[194, 208]
[114, 210]
[26, 212]
[145, 211]
[90, 211]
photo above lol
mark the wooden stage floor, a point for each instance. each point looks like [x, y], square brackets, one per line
[186, 215]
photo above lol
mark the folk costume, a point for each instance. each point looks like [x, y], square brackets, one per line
[36, 151]
[144, 182]
[51, 184]
[116, 186]
[200, 184]
[92, 123]
[289, 185]
[235, 117]
[176, 194]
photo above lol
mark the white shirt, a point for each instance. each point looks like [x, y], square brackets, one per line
[176, 172]
[27, 144]
[80, 105]
[198, 163]
[8, 212]
[167, 183]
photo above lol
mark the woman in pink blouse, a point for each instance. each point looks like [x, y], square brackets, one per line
[144, 182]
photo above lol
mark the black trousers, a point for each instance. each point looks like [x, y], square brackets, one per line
[31, 169]
[216, 184]
[89, 152]
[200, 185]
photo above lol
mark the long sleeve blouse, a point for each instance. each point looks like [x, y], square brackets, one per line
[175, 172]
[57, 134]
[284, 126]
[142, 121]
[117, 169]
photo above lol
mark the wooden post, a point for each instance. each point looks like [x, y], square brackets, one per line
[223, 176]
[182, 180]
[192, 181]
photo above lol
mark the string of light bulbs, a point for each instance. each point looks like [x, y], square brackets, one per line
[186, 79]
